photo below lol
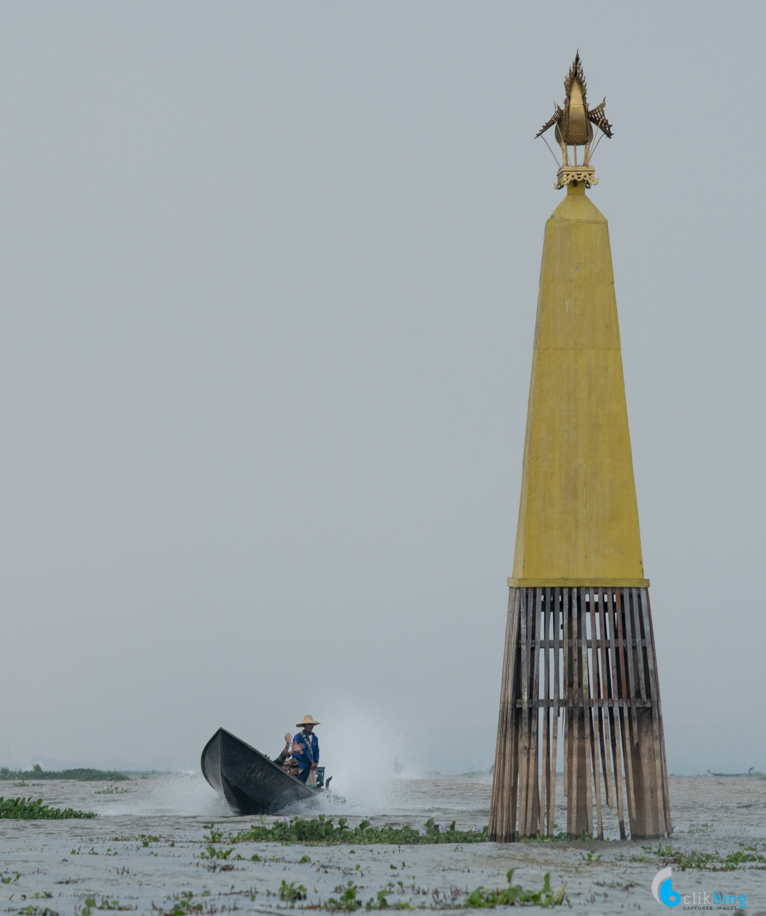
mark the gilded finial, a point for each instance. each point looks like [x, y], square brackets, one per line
[574, 127]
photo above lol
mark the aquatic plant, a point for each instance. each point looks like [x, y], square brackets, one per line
[183, 904]
[347, 900]
[212, 853]
[515, 895]
[28, 809]
[322, 831]
[711, 861]
[80, 774]
[290, 893]
[104, 904]
[215, 834]
[591, 858]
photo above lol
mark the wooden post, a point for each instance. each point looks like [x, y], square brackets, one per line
[502, 813]
[556, 626]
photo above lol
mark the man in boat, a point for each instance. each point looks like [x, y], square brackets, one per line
[291, 767]
[308, 758]
[291, 747]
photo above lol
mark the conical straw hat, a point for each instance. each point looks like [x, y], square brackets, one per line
[307, 720]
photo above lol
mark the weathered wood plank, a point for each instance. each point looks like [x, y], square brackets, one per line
[524, 743]
[555, 615]
[658, 701]
[545, 674]
[502, 812]
[594, 783]
[535, 715]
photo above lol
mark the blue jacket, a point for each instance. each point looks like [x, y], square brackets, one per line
[310, 752]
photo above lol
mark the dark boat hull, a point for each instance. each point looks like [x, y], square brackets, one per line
[248, 781]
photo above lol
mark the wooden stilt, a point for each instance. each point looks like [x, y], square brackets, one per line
[545, 675]
[586, 654]
[663, 760]
[535, 713]
[657, 801]
[591, 720]
[571, 736]
[599, 669]
[502, 816]
[524, 776]
[614, 709]
[554, 748]
[626, 693]
[577, 786]
[643, 760]
[566, 694]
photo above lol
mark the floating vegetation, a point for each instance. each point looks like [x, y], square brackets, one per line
[81, 774]
[104, 904]
[212, 853]
[185, 903]
[322, 831]
[28, 809]
[515, 895]
[347, 902]
[290, 893]
[112, 790]
[745, 855]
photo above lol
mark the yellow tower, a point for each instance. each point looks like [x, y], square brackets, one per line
[579, 652]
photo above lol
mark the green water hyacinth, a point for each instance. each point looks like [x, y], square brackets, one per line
[516, 895]
[30, 810]
[322, 831]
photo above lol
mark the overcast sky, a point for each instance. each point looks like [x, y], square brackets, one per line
[268, 275]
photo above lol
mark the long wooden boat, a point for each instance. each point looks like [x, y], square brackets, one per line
[249, 781]
[751, 772]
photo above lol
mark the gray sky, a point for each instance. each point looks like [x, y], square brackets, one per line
[269, 276]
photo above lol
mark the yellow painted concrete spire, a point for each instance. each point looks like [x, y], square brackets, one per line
[579, 637]
[578, 517]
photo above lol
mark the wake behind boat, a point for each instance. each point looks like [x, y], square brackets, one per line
[248, 781]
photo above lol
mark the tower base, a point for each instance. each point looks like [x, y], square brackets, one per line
[580, 667]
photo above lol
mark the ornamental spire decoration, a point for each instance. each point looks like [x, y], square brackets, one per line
[574, 127]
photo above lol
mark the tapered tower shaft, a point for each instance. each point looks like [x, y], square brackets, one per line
[578, 517]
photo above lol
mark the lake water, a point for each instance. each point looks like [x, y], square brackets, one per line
[75, 859]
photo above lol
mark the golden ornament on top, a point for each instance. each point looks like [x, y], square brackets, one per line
[574, 127]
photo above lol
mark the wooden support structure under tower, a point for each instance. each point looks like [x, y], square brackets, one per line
[580, 677]
[579, 671]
